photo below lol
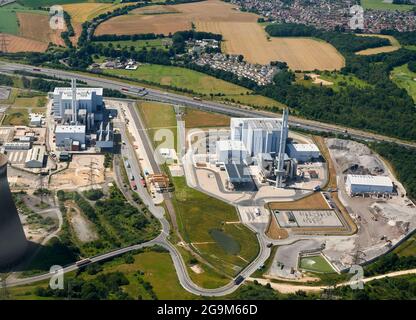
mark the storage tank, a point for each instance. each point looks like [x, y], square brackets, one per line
[13, 243]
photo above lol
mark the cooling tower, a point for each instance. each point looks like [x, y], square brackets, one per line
[13, 243]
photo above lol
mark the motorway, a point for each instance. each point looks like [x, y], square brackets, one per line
[176, 99]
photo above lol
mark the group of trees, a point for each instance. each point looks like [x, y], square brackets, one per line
[403, 161]
[101, 287]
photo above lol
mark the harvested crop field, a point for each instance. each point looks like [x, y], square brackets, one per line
[81, 12]
[395, 45]
[242, 34]
[20, 44]
[36, 27]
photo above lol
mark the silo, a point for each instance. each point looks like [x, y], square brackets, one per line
[13, 243]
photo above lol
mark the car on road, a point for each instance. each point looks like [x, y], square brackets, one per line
[238, 280]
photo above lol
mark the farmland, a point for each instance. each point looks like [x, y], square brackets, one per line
[20, 44]
[138, 44]
[395, 45]
[383, 5]
[179, 78]
[241, 32]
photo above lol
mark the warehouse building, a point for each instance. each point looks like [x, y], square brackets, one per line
[17, 145]
[35, 157]
[359, 184]
[303, 152]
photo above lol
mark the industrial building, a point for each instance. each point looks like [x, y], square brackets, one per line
[303, 152]
[68, 133]
[17, 145]
[35, 157]
[360, 184]
[258, 135]
[89, 99]
[82, 118]
[231, 151]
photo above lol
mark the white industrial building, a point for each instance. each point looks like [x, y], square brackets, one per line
[35, 157]
[231, 151]
[67, 134]
[303, 152]
[17, 145]
[356, 184]
[89, 99]
[259, 135]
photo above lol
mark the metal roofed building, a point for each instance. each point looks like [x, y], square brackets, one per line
[368, 184]
[75, 133]
[303, 152]
[35, 157]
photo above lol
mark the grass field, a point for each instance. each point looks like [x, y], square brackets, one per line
[158, 116]
[200, 119]
[407, 248]
[253, 100]
[381, 5]
[340, 81]
[199, 215]
[179, 78]
[315, 264]
[242, 34]
[87, 10]
[16, 117]
[138, 44]
[395, 45]
[48, 3]
[405, 79]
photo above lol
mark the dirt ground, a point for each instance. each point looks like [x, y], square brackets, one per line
[36, 26]
[313, 202]
[82, 227]
[242, 34]
[20, 44]
[78, 173]
[395, 45]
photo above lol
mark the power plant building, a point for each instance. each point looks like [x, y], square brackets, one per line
[89, 99]
[13, 243]
[303, 152]
[358, 184]
[259, 135]
[231, 151]
[35, 157]
[66, 134]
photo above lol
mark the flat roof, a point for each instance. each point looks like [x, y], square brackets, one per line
[82, 93]
[69, 129]
[259, 123]
[230, 145]
[369, 180]
[303, 147]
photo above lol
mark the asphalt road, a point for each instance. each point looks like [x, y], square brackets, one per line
[176, 99]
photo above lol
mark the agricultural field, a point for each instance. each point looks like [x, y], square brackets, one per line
[315, 264]
[394, 45]
[405, 79]
[241, 32]
[36, 26]
[253, 100]
[383, 5]
[179, 78]
[48, 3]
[202, 221]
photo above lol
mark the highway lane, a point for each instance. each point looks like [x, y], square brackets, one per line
[177, 99]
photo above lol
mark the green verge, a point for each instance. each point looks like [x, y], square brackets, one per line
[405, 79]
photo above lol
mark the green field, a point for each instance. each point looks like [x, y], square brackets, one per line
[48, 3]
[315, 264]
[380, 5]
[341, 80]
[138, 44]
[158, 116]
[405, 79]
[407, 248]
[199, 216]
[254, 100]
[176, 77]
[16, 117]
